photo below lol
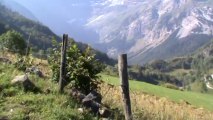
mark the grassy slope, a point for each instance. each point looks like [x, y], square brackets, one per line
[197, 99]
[16, 104]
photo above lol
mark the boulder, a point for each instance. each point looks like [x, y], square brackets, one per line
[24, 81]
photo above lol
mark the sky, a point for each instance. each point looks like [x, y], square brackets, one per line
[67, 8]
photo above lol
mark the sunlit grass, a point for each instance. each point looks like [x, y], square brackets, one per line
[151, 107]
[15, 104]
[196, 99]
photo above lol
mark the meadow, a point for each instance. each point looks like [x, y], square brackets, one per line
[193, 98]
[157, 102]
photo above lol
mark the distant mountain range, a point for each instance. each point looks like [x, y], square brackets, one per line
[146, 30]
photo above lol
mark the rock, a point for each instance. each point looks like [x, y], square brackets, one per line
[92, 101]
[24, 81]
[5, 60]
[105, 113]
[35, 70]
[77, 95]
[93, 96]
[81, 110]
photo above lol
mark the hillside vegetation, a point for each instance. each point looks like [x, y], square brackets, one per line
[40, 36]
[16, 104]
[186, 72]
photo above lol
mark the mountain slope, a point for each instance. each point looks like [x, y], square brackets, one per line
[13, 5]
[40, 36]
[150, 29]
[146, 30]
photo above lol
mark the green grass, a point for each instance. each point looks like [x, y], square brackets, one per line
[16, 104]
[196, 99]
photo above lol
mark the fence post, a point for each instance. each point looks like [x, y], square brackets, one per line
[63, 63]
[122, 68]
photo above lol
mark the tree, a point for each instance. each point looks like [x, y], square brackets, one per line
[13, 42]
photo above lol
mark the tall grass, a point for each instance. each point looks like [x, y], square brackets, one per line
[150, 107]
[196, 99]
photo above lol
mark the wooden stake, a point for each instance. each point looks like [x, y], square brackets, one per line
[63, 63]
[122, 67]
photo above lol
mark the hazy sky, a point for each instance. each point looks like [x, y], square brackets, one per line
[60, 15]
[74, 8]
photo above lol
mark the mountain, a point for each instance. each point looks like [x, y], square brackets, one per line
[67, 16]
[157, 29]
[13, 5]
[40, 36]
[146, 30]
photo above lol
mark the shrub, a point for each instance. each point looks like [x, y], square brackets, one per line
[82, 68]
[13, 42]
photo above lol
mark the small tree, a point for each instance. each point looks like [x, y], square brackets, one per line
[82, 68]
[13, 42]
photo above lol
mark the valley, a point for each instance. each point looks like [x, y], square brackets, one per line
[169, 47]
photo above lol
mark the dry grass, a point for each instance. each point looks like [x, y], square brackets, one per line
[149, 107]
[40, 63]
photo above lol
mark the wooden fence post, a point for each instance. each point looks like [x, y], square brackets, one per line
[122, 67]
[63, 63]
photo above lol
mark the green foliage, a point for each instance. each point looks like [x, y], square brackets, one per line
[54, 60]
[100, 56]
[23, 62]
[13, 42]
[82, 68]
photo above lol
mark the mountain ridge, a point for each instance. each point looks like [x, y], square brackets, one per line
[142, 29]
[151, 24]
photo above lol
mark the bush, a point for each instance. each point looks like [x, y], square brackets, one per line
[82, 68]
[13, 42]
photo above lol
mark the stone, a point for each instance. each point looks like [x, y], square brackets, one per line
[92, 101]
[81, 110]
[93, 96]
[24, 81]
[105, 113]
